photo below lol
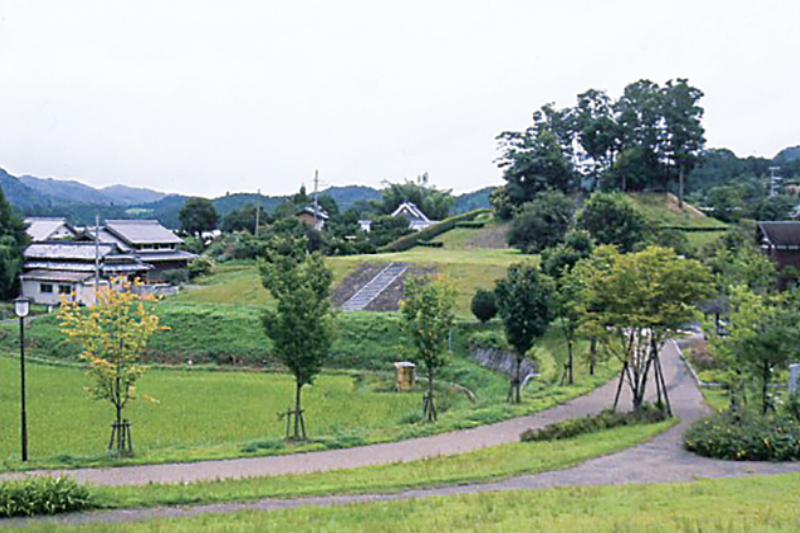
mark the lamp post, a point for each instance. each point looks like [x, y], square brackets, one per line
[21, 309]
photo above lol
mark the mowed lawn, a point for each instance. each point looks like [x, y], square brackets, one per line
[197, 414]
[240, 283]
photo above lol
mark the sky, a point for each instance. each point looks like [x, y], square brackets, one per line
[203, 98]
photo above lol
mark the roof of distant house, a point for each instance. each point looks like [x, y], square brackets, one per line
[411, 209]
[785, 234]
[41, 228]
[142, 232]
[59, 250]
[319, 212]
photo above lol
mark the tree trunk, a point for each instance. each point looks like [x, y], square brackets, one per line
[680, 188]
[118, 405]
[570, 379]
[430, 408]
[297, 410]
[592, 354]
[765, 377]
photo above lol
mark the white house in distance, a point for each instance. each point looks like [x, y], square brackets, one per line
[41, 229]
[417, 220]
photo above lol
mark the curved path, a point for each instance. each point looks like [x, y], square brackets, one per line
[661, 460]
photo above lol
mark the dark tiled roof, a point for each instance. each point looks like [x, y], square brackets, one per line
[780, 234]
[137, 232]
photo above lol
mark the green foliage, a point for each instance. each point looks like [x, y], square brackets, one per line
[541, 222]
[610, 218]
[301, 327]
[13, 240]
[745, 437]
[523, 300]
[244, 219]
[605, 419]
[489, 339]
[43, 495]
[198, 215]
[201, 266]
[434, 203]
[484, 306]
[176, 276]
[427, 312]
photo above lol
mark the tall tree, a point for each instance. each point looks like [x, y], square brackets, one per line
[113, 335]
[302, 324]
[683, 134]
[523, 301]
[435, 203]
[640, 300]
[597, 131]
[198, 215]
[427, 312]
[13, 240]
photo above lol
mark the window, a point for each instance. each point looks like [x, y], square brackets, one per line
[46, 288]
[65, 289]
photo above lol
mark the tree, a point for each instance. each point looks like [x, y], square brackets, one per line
[542, 222]
[427, 312]
[113, 335]
[244, 219]
[523, 299]
[302, 325]
[13, 240]
[682, 139]
[610, 218]
[434, 203]
[484, 305]
[198, 215]
[639, 300]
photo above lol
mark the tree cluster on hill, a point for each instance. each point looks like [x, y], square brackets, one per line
[651, 136]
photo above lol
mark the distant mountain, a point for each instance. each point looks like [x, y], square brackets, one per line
[788, 154]
[124, 195]
[66, 190]
[347, 196]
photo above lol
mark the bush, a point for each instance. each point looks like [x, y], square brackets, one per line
[606, 419]
[747, 437]
[42, 495]
[176, 276]
[484, 306]
[201, 266]
[409, 241]
[489, 339]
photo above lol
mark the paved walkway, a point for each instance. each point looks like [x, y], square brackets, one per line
[661, 460]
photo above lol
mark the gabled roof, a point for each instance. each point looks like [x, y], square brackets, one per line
[104, 236]
[320, 213]
[42, 228]
[780, 235]
[138, 232]
[411, 210]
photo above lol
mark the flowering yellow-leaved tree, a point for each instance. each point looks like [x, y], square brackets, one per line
[113, 334]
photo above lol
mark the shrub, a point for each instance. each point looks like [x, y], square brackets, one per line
[42, 495]
[489, 339]
[747, 437]
[431, 232]
[176, 276]
[484, 306]
[606, 419]
[201, 266]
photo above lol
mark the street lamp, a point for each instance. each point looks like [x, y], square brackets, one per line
[21, 309]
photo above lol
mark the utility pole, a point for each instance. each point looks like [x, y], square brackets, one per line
[258, 205]
[316, 196]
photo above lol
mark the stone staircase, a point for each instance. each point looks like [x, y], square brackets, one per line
[372, 289]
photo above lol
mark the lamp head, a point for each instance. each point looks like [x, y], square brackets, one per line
[22, 306]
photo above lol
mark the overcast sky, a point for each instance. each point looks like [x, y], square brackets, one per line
[201, 97]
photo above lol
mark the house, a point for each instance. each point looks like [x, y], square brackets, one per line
[781, 241]
[150, 242]
[42, 229]
[417, 220]
[314, 216]
[54, 269]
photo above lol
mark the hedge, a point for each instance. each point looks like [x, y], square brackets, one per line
[409, 241]
[606, 419]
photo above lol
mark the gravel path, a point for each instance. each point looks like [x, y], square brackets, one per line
[661, 460]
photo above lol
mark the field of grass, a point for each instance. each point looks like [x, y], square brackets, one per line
[766, 504]
[663, 210]
[483, 465]
[67, 428]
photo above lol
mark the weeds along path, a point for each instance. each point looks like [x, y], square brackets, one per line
[662, 460]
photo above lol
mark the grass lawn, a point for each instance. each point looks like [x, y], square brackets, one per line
[67, 428]
[663, 210]
[479, 466]
[766, 504]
